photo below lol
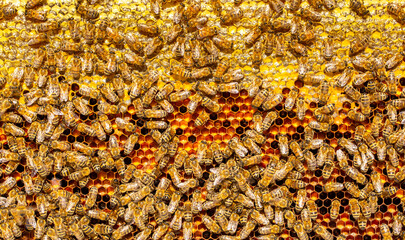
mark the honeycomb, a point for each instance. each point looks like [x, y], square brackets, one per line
[277, 70]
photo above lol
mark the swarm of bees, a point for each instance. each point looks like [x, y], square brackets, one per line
[60, 125]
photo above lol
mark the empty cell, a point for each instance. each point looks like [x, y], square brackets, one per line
[226, 123]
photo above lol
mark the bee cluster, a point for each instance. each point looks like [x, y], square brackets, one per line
[98, 142]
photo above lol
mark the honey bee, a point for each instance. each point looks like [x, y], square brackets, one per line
[86, 129]
[38, 58]
[222, 42]
[60, 61]
[153, 46]
[334, 67]
[397, 12]
[108, 93]
[187, 230]
[316, 4]
[174, 32]
[38, 39]
[133, 43]
[392, 155]
[125, 125]
[211, 224]
[320, 126]
[321, 231]
[385, 231]
[364, 64]
[180, 71]
[121, 231]
[149, 29]
[370, 141]
[11, 118]
[310, 15]
[74, 28]
[252, 36]
[111, 65]
[260, 98]
[222, 67]
[35, 16]
[201, 73]
[329, 4]
[389, 191]
[348, 145]
[397, 224]
[301, 232]
[272, 102]
[115, 36]
[290, 100]
[71, 47]
[379, 96]
[76, 66]
[391, 171]
[356, 116]
[358, 45]
[365, 209]
[197, 23]
[48, 26]
[394, 61]
[164, 92]
[324, 93]
[359, 8]
[160, 231]
[354, 208]
[13, 130]
[87, 12]
[33, 3]
[296, 149]
[279, 216]
[211, 47]
[312, 209]
[365, 104]
[295, 183]
[179, 47]
[343, 79]
[231, 16]
[269, 42]
[313, 80]
[333, 187]
[6, 231]
[334, 211]
[301, 108]
[92, 197]
[42, 77]
[40, 229]
[101, 52]
[130, 143]
[179, 96]
[80, 174]
[298, 49]
[191, 11]
[87, 65]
